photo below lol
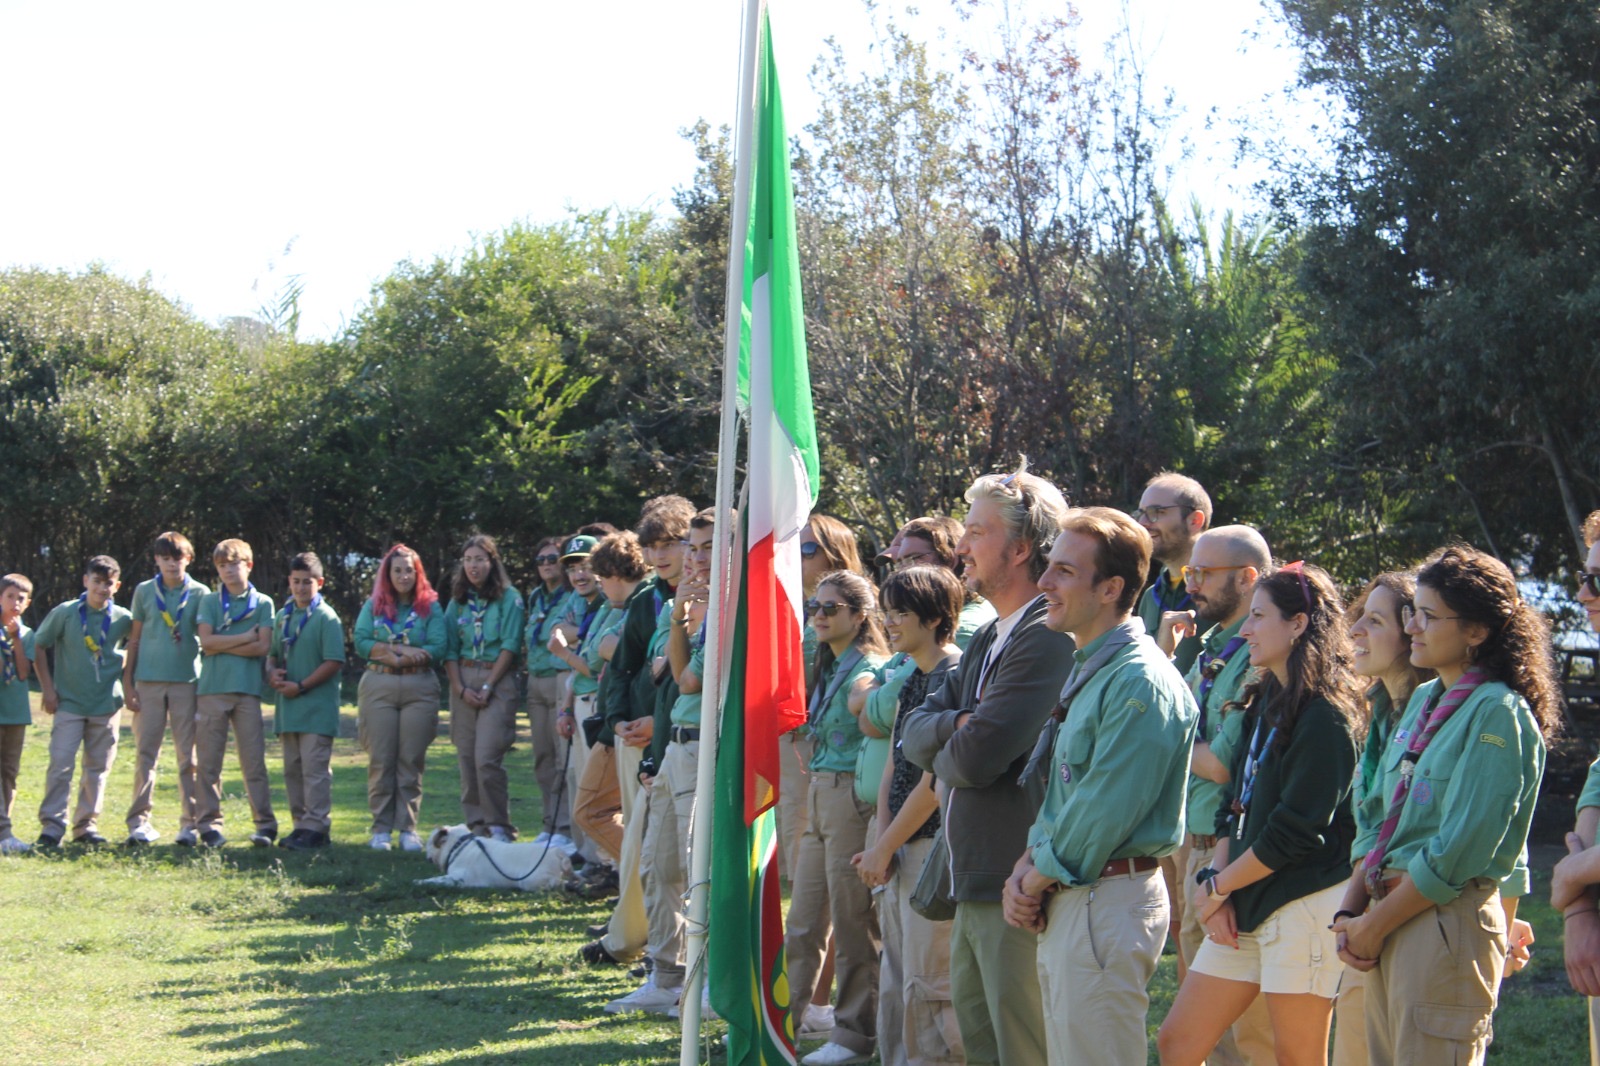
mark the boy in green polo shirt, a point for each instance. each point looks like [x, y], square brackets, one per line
[235, 633]
[307, 653]
[16, 649]
[158, 682]
[83, 694]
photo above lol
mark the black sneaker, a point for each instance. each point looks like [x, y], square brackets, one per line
[306, 840]
[91, 838]
[645, 968]
[292, 841]
[263, 839]
[595, 954]
[597, 931]
[212, 838]
[47, 840]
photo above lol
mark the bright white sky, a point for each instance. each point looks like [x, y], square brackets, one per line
[222, 147]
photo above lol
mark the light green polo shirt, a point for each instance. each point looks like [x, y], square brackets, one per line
[838, 734]
[882, 703]
[545, 611]
[1472, 794]
[974, 616]
[686, 709]
[1590, 796]
[1204, 795]
[1368, 803]
[322, 640]
[90, 685]
[14, 706]
[407, 627]
[1120, 768]
[501, 629]
[227, 672]
[607, 623]
[162, 659]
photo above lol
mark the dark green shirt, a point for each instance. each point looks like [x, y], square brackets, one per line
[1162, 595]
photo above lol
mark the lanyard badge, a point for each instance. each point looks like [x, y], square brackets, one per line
[175, 615]
[96, 647]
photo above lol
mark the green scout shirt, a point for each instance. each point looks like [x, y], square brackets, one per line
[160, 657]
[882, 704]
[664, 694]
[407, 628]
[89, 685]
[322, 640]
[227, 672]
[545, 611]
[1162, 595]
[836, 729]
[1203, 794]
[1590, 796]
[1367, 801]
[686, 708]
[501, 629]
[607, 621]
[974, 616]
[1120, 767]
[14, 706]
[1472, 793]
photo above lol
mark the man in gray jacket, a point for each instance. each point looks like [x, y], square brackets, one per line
[975, 734]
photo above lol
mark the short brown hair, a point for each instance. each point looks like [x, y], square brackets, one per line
[836, 542]
[618, 555]
[233, 550]
[942, 533]
[17, 581]
[664, 518]
[933, 593]
[1591, 528]
[1123, 549]
[172, 545]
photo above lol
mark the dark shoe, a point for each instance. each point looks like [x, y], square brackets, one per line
[263, 839]
[212, 838]
[47, 840]
[598, 931]
[595, 954]
[646, 966]
[306, 840]
[91, 838]
[292, 841]
[603, 886]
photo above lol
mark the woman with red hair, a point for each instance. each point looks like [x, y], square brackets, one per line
[401, 635]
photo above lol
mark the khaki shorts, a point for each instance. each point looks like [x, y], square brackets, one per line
[1293, 951]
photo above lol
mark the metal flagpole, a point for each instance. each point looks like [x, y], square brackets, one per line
[723, 582]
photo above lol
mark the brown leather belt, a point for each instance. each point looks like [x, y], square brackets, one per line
[1124, 867]
[381, 668]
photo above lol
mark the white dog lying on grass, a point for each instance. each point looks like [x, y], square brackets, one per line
[471, 861]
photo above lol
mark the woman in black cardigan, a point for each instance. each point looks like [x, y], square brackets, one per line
[1286, 822]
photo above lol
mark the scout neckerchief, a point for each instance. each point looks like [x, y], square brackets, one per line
[1211, 667]
[174, 616]
[588, 620]
[403, 634]
[540, 606]
[8, 669]
[476, 609]
[841, 670]
[252, 598]
[1116, 639]
[289, 638]
[1252, 766]
[1170, 597]
[1433, 717]
[96, 647]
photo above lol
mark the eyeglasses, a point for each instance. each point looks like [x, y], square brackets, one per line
[826, 610]
[894, 618]
[809, 548]
[1408, 612]
[914, 559]
[1196, 575]
[578, 566]
[1589, 582]
[546, 560]
[1154, 512]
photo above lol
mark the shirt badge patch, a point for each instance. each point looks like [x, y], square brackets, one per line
[1066, 774]
[1490, 738]
[1422, 792]
[1135, 705]
[1401, 736]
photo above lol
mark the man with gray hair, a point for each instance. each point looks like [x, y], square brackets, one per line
[975, 734]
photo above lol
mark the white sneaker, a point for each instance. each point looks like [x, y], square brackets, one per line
[186, 838]
[562, 842]
[409, 841]
[831, 1054]
[817, 1022]
[647, 997]
[145, 834]
[379, 842]
[13, 846]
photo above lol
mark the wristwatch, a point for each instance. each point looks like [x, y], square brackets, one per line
[1204, 875]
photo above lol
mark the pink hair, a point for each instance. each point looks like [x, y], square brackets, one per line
[383, 594]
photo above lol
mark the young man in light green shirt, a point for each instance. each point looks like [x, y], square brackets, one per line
[159, 680]
[303, 669]
[82, 690]
[16, 714]
[234, 628]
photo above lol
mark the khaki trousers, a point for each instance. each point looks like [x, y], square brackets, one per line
[549, 753]
[213, 716]
[1097, 953]
[397, 718]
[1350, 1020]
[916, 1018]
[828, 893]
[576, 753]
[628, 931]
[994, 987]
[98, 739]
[664, 867]
[161, 703]
[1432, 996]
[1594, 1032]
[1248, 1042]
[794, 779]
[598, 811]
[11, 740]
[308, 778]
[482, 738]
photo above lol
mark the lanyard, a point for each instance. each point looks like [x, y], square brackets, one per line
[1211, 667]
[8, 669]
[252, 598]
[403, 634]
[175, 615]
[1252, 763]
[96, 647]
[288, 617]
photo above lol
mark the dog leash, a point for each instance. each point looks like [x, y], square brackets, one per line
[475, 839]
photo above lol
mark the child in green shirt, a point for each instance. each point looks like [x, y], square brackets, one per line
[235, 633]
[16, 649]
[307, 654]
[83, 694]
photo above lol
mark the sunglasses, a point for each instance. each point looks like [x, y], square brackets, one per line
[809, 548]
[546, 560]
[826, 610]
[1589, 582]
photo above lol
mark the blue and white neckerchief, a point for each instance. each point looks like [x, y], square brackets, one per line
[1170, 597]
[1211, 667]
[174, 616]
[476, 610]
[289, 638]
[403, 634]
[97, 648]
[251, 601]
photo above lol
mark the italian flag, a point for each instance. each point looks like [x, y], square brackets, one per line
[765, 691]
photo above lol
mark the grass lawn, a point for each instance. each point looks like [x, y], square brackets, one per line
[168, 955]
